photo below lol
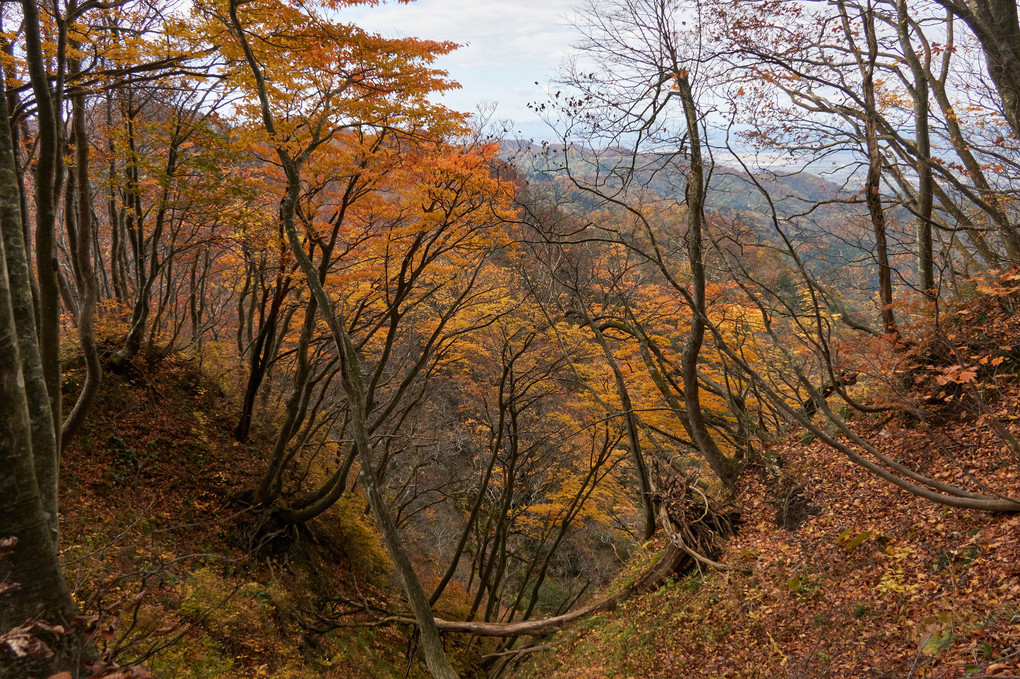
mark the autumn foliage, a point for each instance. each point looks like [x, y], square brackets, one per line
[297, 360]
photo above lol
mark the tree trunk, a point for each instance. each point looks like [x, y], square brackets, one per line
[43, 431]
[272, 481]
[84, 273]
[261, 355]
[997, 27]
[40, 592]
[48, 180]
[873, 182]
[32, 563]
[432, 646]
[724, 467]
[925, 192]
[633, 436]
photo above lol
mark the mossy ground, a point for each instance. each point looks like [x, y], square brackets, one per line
[186, 579]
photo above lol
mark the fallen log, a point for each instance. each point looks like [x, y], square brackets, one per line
[673, 561]
[695, 530]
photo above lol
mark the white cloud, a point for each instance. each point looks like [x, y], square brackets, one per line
[507, 46]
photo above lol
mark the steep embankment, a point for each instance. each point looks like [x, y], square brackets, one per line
[188, 581]
[851, 576]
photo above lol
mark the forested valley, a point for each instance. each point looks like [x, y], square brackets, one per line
[304, 373]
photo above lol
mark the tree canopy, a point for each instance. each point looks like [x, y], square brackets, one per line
[525, 360]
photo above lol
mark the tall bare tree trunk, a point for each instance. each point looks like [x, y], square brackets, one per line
[84, 272]
[48, 180]
[724, 467]
[873, 182]
[43, 431]
[31, 564]
[925, 189]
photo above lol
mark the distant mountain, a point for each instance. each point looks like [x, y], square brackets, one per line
[730, 190]
[812, 211]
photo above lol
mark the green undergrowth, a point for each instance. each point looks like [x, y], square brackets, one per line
[180, 576]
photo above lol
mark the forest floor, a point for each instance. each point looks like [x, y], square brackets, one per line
[181, 576]
[850, 577]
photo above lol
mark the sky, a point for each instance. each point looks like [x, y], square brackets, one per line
[507, 45]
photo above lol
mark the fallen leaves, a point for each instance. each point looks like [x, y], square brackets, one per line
[878, 583]
[25, 641]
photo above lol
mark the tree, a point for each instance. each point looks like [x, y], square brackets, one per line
[920, 62]
[866, 63]
[34, 599]
[996, 25]
[310, 33]
[634, 106]
[650, 102]
[925, 191]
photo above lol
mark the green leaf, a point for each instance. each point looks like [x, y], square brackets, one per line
[859, 539]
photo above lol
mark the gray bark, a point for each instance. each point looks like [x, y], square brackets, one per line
[43, 432]
[48, 179]
[925, 192]
[724, 467]
[997, 27]
[39, 591]
[873, 182]
[84, 272]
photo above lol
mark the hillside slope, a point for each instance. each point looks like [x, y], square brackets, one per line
[851, 577]
[182, 577]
